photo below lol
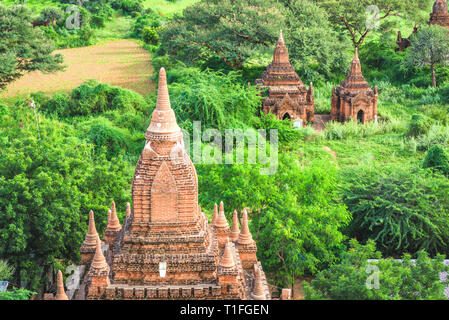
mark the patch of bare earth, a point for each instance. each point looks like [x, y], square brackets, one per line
[298, 288]
[320, 120]
[120, 63]
[332, 152]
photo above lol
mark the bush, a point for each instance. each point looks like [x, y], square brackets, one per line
[401, 208]
[6, 271]
[150, 36]
[129, 7]
[354, 278]
[92, 98]
[98, 21]
[19, 294]
[419, 125]
[437, 135]
[150, 19]
[217, 100]
[102, 133]
[437, 159]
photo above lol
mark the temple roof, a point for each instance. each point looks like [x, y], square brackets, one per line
[280, 72]
[440, 14]
[355, 79]
[163, 120]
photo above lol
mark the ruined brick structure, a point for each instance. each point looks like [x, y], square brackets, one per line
[166, 248]
[354, 99]
[404, 43]
[288, 97]
[440, 14]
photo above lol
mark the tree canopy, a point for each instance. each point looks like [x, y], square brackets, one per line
[22, 47]
[353, 17]
[429, 47]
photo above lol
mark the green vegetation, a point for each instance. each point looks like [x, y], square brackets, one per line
[384, 183]
[22, 48]
[354, 278]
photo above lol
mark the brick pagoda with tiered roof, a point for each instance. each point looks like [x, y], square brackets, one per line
[354, 99]
[288, 97]
[440, 14]
[166, 249]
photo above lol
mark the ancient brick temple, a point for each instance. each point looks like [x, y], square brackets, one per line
[166, 248]
[440, 14]
[288, 97]
[354, 99]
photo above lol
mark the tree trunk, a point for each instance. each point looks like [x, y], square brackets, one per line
[434, 79]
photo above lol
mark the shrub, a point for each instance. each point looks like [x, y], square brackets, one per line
[102, 133]
[402, 209]
[98, 21]
[150, 36]
[130, 7]
[437, 159]
[354, 277]
[437, 135]
[6, 271]
[419, 125]
[19, 294]
[92, 98]
[150, 19]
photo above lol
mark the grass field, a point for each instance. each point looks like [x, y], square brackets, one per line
[166, 7]
[118, 62]
[35, 5]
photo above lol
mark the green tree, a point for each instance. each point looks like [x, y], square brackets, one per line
[316, 50]
[294, 217]
[429, 47]
[22, 47]
[350, 16]
[401, 208]
[354, 277]
[49, 180]
[230, 30]
[51, 14]
[6, 271]
[437, 159]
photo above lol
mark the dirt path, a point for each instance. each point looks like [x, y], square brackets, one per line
[320, 121]
[118, 62]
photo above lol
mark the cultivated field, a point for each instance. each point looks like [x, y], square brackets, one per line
[118, 62]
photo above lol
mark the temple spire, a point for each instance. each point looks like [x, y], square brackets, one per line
[281, 38]
[221, 221]
[235, 230]
[99, 262]
[91, 237]
[258, 292]
[60, 293]
[245, 236]
[163, 120]
[280, 52]
[128, 209]
[227, 260]
[163, 99]
[113, 221]
[215, 215]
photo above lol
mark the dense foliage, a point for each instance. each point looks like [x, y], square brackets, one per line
[357, 277]
[385, 180]
[45, 197]
[22, 48]
[403, 211]
[353, 17]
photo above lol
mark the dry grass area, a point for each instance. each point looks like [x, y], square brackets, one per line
[121, 63]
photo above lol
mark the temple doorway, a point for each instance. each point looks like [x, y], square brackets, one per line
[360, 116]
[286, 116]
